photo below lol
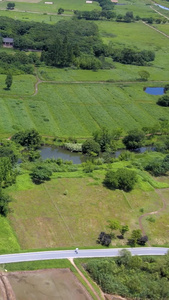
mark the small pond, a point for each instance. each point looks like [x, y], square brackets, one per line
[163, 7]
[78, 158]
[51, 152]
[155, 90]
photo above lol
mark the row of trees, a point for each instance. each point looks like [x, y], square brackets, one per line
[18, 62]
[95, 14]
[133, 57]
[8, 173]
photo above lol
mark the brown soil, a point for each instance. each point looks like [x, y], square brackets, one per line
[113, 297]
[46, 285]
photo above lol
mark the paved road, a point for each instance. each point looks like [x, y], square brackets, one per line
[44, 255]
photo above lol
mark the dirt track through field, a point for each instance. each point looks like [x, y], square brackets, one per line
[85, 279]
[5, 288]
[164, 205]
[167, 36]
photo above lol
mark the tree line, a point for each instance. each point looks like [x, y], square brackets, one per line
[68, 43]
[133, 277]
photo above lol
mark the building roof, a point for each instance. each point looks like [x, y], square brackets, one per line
[7, 40]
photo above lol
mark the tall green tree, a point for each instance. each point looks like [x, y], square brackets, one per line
[4, 203]
[8, 81]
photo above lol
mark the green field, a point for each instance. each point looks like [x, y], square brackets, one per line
[43, 216]
[28, 16]
[40, 6]
[74, 103]
[79, 109]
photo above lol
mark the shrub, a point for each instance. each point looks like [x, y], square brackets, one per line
[104, 239]
[163, 101]
[73, 147]
[40, 174]
[90, 146]
[134, 139]
[122, 179]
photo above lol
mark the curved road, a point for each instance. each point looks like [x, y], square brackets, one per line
[45, 255]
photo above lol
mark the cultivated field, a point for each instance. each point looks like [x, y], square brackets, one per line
[61, 110]
[79, 109]
[44, 284]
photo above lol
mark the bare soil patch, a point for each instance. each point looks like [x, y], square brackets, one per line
[47, 285]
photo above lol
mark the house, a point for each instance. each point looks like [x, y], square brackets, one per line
[114, 1]
[8, 42]
[89, 2]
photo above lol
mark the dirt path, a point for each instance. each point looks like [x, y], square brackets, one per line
[164, 205]
[6, 289]
[167, 36]
[38, 81]
[159, 13]
[88, 283]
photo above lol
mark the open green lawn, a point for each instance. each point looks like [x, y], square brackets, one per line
[28, 16]
[40, 6]
[42, 216]
[139, 8]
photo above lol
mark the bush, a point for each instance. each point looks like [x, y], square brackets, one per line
[104, 239]
[158, 167]
[163, 101]
[4, 201]
[40, 174]
[73, 147]
[28, 138]
[122, 179]
[134, 139]
[90, 147]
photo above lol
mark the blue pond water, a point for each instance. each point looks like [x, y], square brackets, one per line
[163, 7]
[155, 90]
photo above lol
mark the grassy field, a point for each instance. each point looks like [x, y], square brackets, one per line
[28, 16]
[139, 8]
[40, 6]
[8, 240]
[44, 217]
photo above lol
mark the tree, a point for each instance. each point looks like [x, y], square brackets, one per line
[104, 239]
[158, 167]
[143, 240]
[123, 179]
[10, 5]
[90, 147]
[124, 229]
[60, 11]
[135, 236]
[40, 174]
[163, 101]
[8, 81]
[28, 138]
[4, 201]
[7, 172]
[113, 224]
[103, 137]
[134, 139]
[144, 75]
